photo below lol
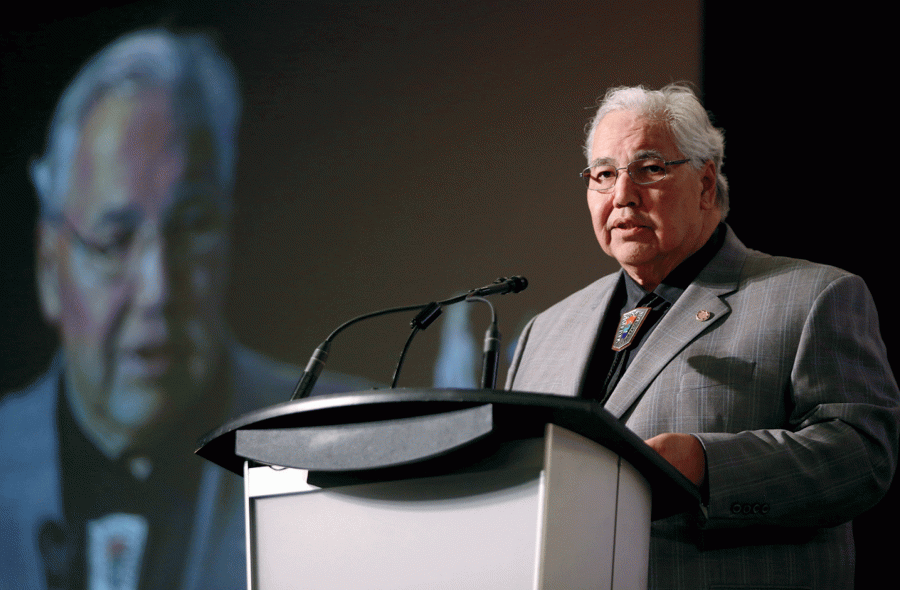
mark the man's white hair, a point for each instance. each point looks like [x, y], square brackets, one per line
[202, 82]
[678, 107]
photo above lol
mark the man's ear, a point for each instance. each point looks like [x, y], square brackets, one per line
[47, 270]
[708, 186]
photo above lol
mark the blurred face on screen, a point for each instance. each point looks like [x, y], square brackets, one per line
[133, 269]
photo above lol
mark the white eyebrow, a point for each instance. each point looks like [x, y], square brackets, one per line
[647, 154]
[602, 162]
[640, 155]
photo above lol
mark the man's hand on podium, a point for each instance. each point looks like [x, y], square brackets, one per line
[684, 452]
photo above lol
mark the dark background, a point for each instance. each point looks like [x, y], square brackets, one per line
[398, 152]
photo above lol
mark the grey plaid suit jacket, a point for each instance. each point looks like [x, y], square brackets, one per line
[778, 367]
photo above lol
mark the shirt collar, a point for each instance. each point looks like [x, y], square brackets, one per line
[684, 274]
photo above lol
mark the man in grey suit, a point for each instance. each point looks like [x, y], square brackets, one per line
[99, 487]
[763, 380]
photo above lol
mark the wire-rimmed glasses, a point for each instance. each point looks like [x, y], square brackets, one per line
[644, 171]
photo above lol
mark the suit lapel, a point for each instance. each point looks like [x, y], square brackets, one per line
[584, 327]
[682, 324]
[558, 353]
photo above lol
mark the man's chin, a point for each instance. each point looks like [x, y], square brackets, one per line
[633, 253]
[136, 407]
[142, 403]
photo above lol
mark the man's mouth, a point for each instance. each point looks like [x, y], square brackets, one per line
[628, 225]
[149, 361]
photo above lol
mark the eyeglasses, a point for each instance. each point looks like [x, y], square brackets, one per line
[644, 171]
[195, 233]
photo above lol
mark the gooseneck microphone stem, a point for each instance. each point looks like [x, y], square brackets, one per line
[429, 312]
[317, 361]
[415, 330]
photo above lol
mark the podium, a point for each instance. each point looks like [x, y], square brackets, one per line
[423, 488]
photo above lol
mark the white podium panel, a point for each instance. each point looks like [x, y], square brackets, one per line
[596, 522]
[558, 512]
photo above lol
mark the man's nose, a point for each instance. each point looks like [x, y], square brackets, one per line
[626, 192]
[153, 275]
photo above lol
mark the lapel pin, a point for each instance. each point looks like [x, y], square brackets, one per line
[703, 315]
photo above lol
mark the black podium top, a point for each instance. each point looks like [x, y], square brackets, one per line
[383, 434]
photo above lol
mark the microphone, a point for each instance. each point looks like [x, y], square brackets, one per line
[313, 370]
[501, 286]
[430, 312]
[491, 354]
